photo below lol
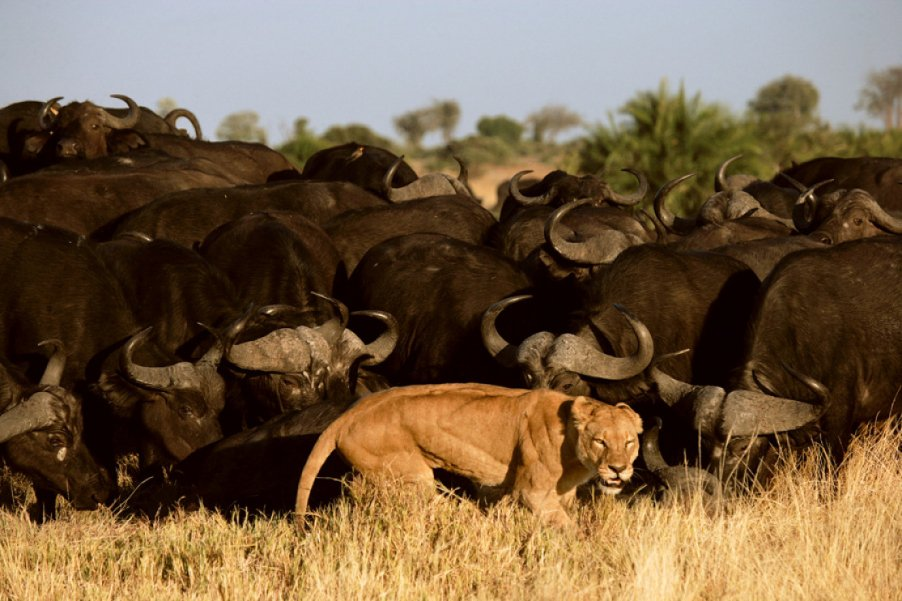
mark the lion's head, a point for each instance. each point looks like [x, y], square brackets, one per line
[606, 440]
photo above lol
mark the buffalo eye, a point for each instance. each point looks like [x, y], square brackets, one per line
[186, 412]
[57, 441]
[858, 221]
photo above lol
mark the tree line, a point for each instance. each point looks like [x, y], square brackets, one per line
[663, 132]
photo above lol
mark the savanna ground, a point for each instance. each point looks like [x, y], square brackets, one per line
[818, 532]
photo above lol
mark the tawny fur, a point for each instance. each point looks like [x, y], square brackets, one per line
[537, 445]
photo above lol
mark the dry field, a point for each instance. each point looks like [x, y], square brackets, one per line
[818, 532]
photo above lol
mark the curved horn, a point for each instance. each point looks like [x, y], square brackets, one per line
[214, 354]
[53, 373]
[43, 117]
[720, 181]
[575, 354]
[500, 349]
[795, 183]
[463, 176]
[635, 197]
[339, 306]
[672, 223]
[597, 250]
[526, 200]
[387, 187]
[176, 114]
[651, 450]
[681, 481]
[151, 377]
[880, 217]
[805, 209]
[380, 348]
[753, 413]
[33, 413]
[130, 119]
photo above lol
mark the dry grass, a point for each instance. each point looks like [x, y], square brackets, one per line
[817, 533]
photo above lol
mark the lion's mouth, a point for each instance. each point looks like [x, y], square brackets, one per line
[612, 485]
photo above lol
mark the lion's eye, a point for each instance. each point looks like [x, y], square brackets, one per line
[630, 443]
[600, 442]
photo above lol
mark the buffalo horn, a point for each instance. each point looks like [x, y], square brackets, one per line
[53, 373]
[670, 221]
[635, 197]
[720, 182]
[44, 118]
[803, 212]
[176, 114]
[130, 119]
[880, 217]
[597, 250]
[387, 187]
[527, 200]
[681, 481]
[380, 348]
[158, 378]
[503, 351]
[463, 176]
[33, 413]
[577, 355]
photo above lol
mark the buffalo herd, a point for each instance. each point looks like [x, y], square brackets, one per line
[209, 309]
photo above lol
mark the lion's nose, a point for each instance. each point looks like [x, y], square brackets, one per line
[618, 468]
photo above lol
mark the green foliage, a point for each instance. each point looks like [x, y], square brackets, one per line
[355, 132]
[303, 144]
[502, 127]
[784, 117]
[666, 135]
[242, 126]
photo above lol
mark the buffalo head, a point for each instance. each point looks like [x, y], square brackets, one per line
[175, 407]
[81, 129]
[41, 430]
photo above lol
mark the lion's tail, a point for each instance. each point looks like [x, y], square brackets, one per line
[324, 446]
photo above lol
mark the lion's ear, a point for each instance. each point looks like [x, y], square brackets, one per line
[634, 417]
[582, 409]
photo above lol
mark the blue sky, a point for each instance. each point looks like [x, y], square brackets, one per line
[343, 61]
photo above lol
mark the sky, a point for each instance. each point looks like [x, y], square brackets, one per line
[338, 62]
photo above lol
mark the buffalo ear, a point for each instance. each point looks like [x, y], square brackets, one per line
[631, 413]
[117, 393]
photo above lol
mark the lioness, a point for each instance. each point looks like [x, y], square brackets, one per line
[537, 445]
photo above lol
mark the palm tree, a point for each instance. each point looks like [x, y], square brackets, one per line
[666, 135]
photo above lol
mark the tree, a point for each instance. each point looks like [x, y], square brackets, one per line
[354, 132]
[549, 121]
[445, 116]
[789, 99]
[412, 127]
[166, 105]
[302, 144]
[666, 135]
[784, 116]
[500, 126]
[882, 97]
[441, 116]
[241, 126]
